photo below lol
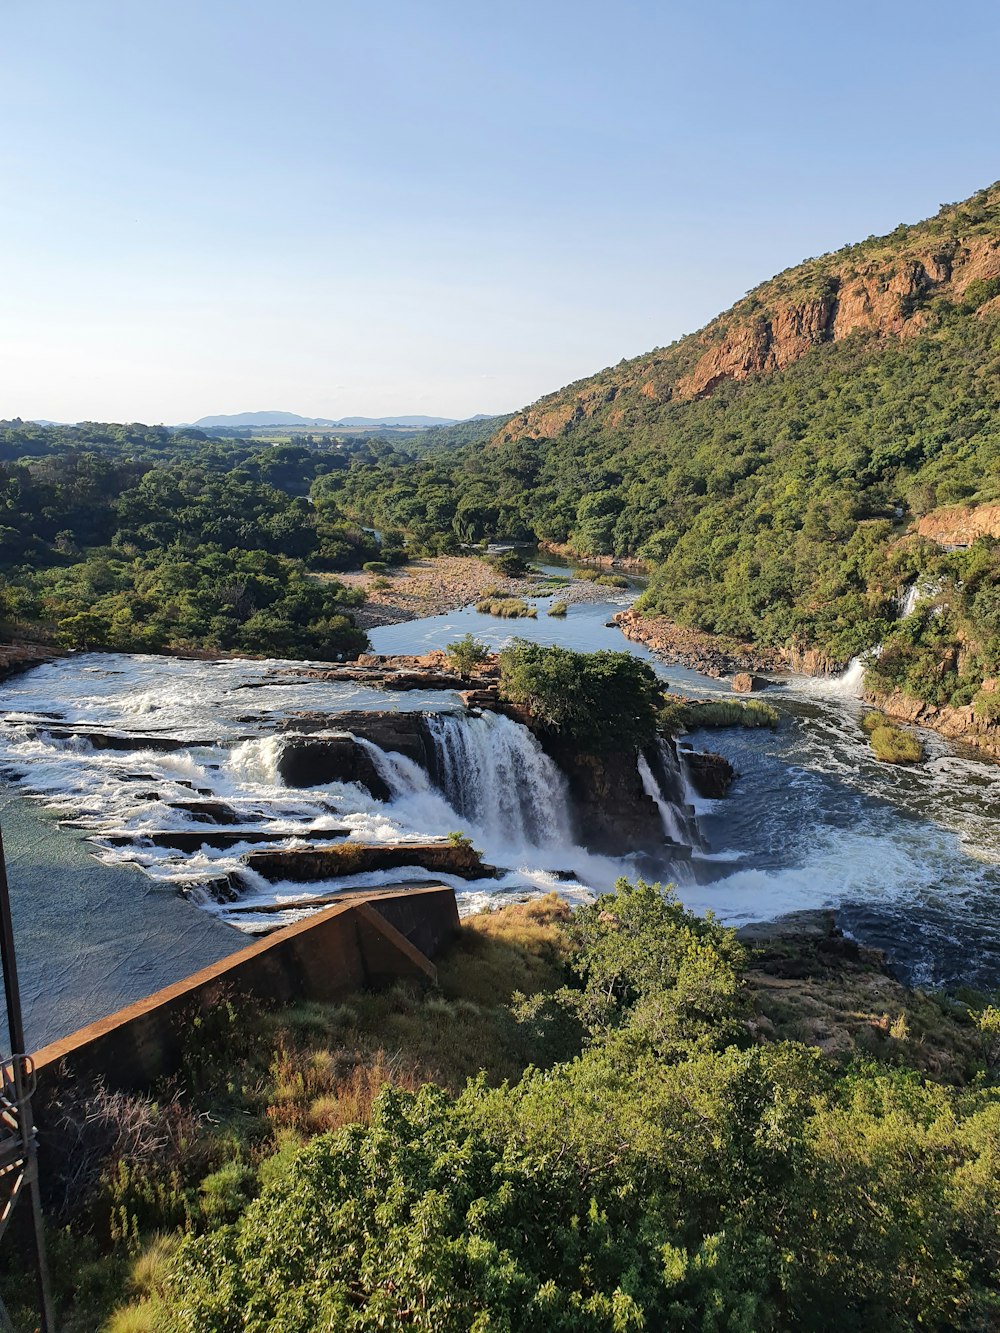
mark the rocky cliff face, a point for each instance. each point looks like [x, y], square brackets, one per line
[878, 287]
[957, 724]
[960, 525]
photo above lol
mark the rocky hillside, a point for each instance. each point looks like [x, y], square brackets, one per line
[791, 476]
[884, 286]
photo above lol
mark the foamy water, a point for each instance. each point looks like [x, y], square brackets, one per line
[909, 857]
[500, 788]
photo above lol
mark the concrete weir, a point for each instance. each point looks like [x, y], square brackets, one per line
[367, 939]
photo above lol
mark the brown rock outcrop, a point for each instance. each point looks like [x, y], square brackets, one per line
[960, 525]
[957, 724]
[710, 774]
[744, 682]
[707, 653]
[357, 858]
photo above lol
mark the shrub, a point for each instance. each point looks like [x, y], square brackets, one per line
[509, 564]
[891, 744]
[375, 566]
[602, 700]
[689, 714]
[987, 705]
[507, 608]
[467, 653]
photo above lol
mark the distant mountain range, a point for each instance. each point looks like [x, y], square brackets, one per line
[293, 419]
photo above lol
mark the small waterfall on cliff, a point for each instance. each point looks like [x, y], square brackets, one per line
[495, 774]
[668, 787]
[848, 685]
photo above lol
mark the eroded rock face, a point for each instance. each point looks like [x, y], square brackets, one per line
[744, 682]
[960, 525]
[355, 858]
[958, 724]
[710, 654]
[313, 761]
[883, 299]
[711, 775]
[309, 760]
[611, 812]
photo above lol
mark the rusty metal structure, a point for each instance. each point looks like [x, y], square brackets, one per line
[18, 1146]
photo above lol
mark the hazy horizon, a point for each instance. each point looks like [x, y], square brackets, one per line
[353, 211]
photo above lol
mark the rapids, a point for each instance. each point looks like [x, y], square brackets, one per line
[909, 858]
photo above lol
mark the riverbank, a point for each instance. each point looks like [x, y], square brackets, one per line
[18, 657]
[715, 654]
[955, 724]
[624, 563]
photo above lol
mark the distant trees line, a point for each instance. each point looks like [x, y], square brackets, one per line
[133, 537]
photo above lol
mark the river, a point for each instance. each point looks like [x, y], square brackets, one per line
[910, 858]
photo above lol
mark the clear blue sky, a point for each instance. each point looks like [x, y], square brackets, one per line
[445, 206]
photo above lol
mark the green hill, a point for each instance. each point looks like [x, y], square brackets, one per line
[769, 468]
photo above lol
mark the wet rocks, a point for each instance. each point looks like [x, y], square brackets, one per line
[612, 813]
[357, 858]
[744, 682]
[213, 812]
[307, 761]
[192, 840]
[427, 671]
[18, 657]
[711, 775]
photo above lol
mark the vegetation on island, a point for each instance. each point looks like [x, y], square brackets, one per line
[507, 608]
[467, 654]
[679, 714]
[600, 1119]
[891, 744]
[598, 701]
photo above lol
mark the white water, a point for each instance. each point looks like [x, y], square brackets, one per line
[673, 825]
[496, 775]
[848, 685]
[496, 783]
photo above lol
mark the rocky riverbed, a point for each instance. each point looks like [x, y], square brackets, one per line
[435, 586]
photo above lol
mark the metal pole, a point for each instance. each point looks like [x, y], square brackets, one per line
[15, 1028]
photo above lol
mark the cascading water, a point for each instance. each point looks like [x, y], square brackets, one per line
[668, 788]
[848, 685]
[495, 774]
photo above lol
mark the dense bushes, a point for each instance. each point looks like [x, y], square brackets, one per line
[674, 1174]
[205, 546]
[600, 700]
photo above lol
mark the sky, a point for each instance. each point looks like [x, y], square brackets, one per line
[341, 207]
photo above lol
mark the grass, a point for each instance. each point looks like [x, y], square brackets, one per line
[261, 1082]
[507, 608]
[558, 609]
[891, 744]
[689, 714]
[602, 580]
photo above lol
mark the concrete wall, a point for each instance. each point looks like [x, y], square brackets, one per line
[368, 940]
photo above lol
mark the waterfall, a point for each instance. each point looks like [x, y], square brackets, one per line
[907, 599]
[668, 787]
[848, 685]
[496, 775]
